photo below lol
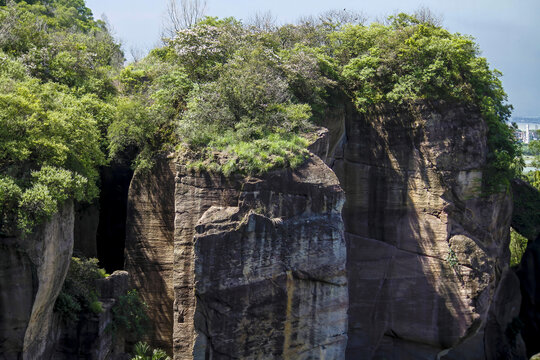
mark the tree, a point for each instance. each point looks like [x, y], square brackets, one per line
[263, 21]
[182, 14]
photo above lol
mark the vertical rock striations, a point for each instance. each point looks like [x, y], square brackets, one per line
[149, 246]
[256, 267]
[32, 271]
[260, 265]
[426, 251]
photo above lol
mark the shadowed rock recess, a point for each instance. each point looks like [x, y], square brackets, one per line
[264, 267]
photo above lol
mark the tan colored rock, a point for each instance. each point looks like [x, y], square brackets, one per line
[425, 249]
[149, 246]
[33, 270]
[261, 270]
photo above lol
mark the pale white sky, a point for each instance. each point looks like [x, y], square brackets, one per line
[508, 31]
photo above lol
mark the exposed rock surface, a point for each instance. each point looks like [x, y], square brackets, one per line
[526, 220]
[270, 271]
[32, 271]
[426, 252]
[89, 338]
[255, 265]
[149, 246]
[259, 262]
[85, 230]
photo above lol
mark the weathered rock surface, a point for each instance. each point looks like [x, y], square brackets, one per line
[260, 265]
[426, 253]
[89, 338]
[256, 265]
[85, 230]
[526, 220]
[149, 246]
[32, 271]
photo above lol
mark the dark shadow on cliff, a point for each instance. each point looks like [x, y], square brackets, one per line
[403, 291]
[111, 233]
[526, 221]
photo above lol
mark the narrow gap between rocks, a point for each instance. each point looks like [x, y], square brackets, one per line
[111, 233]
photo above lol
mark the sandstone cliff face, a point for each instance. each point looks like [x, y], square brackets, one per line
[255, 267]
[32, 272]
[425, 251]
[149, 246]
[259, 262]
[270, 267]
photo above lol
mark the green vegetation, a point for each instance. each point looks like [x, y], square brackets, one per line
[229, 97]
[56, 82]
[144, 352]
[79, 293]
[129, 316]
[250, 96]
[518, 244]
[408, 60]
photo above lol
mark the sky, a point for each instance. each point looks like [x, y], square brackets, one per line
[507, 31]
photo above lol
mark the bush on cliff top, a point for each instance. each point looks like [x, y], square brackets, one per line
[230, 97]
[250, 86]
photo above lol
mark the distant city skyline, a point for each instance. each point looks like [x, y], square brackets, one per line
[507, 31]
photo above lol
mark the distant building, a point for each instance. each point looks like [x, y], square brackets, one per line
[527, 128]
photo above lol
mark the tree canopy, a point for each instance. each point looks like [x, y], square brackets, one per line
[231, 97]
[56, 84]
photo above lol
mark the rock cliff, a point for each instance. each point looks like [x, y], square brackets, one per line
[257, 267]
[149, 246]
[268, 265]
[259, 262]
[427, 253]
[33, 270]
[526, 220]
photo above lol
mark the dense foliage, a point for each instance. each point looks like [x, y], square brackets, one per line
[129, 316]
[56, 99]
[79, 293]
[533, 177]
[249, 96]
[409, 59]
[229, 97]
[518, 245]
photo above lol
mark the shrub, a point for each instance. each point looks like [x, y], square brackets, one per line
[79, 293]
[144, 352]
[410, 59]
[129, 316]
[518, 245]
[49, 148]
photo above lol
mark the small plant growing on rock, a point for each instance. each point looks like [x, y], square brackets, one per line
[453, 261]
[143, 352]
[129, 316]
[79, 292]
